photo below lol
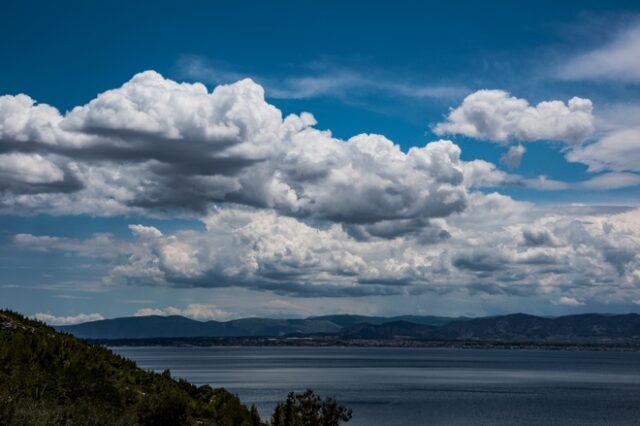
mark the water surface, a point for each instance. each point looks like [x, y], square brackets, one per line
[422, 386]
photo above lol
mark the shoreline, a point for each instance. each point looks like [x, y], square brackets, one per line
[367, 343]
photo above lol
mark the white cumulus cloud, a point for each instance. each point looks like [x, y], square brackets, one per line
[291, 209]
[569, 301]
[497, 246]
[62, 320]
[29, 168]
[496, 116]
[513, 157]
[155, 146]
[197, 311]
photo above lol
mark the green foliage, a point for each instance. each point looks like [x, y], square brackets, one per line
[308, 409]
[49, 378]
[166, 408]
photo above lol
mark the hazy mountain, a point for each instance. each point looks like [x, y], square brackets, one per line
[388, 330]
[514, 327]
[346, 320]
[178, 326]
[522, 327]
[140, 327]
[277, 327]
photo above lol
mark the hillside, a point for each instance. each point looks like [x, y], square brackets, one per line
[51, 378]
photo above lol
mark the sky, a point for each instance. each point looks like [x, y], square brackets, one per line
[221, 160]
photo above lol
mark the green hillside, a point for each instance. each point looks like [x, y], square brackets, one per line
[51, 378]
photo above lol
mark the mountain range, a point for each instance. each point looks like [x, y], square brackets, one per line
[178, 326]
[506, 328]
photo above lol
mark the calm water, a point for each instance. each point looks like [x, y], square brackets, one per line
[401, 386]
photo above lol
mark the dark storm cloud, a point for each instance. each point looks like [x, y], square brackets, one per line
[420, 228]
[537, 237]
[480, 260]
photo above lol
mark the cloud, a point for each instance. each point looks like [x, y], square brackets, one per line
[482, 174]
[197, 311]
[617, 60]
[617, 151]
[255, 249]
[543, 183]
[513, 157]
[322, 80]
[480, 260]
[496, 116]
[569, 301]
[99, 245]
[534, 237]
[54, 320]
[292, 210]
[145, 231]
[155, 146]
[611, 181]
[24, 121]
[29, 168]
[497, 246]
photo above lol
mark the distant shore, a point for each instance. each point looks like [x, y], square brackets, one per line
[619, 346]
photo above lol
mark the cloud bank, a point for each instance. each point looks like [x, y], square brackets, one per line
[154, 145]
[197, 311]
[498, 247]
[77, 319]
[291, 209]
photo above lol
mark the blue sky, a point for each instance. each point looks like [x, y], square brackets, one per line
[159, 198]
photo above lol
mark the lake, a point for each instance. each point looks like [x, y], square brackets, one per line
[422, 386]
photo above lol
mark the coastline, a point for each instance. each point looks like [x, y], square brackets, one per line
[622, 346]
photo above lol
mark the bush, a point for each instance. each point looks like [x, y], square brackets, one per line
[168, 408]
[308, 409]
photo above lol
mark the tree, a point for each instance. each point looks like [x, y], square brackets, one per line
[308, 409]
